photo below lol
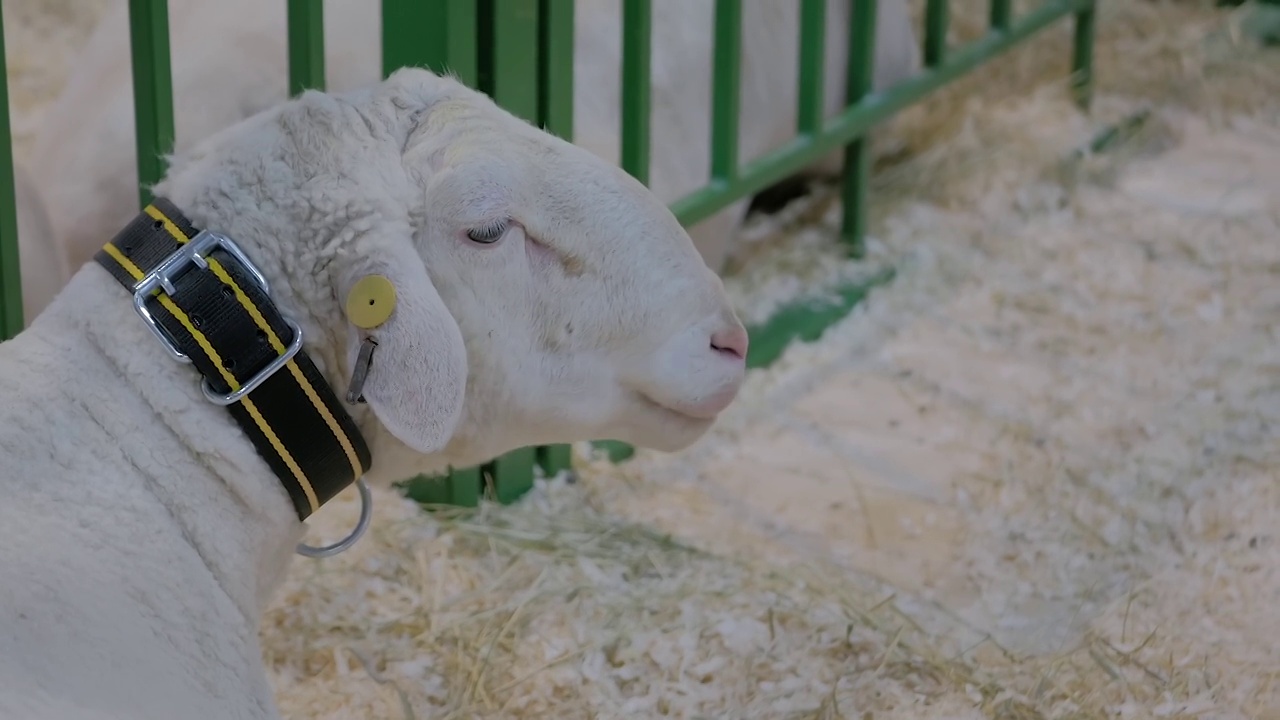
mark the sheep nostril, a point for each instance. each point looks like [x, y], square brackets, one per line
[732, 341]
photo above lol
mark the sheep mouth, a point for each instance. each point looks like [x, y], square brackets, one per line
[672, 413]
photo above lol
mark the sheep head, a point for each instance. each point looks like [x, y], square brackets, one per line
[542, 294]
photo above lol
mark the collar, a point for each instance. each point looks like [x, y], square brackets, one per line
[211, 307]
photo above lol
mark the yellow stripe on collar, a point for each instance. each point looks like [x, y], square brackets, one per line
[223, 320]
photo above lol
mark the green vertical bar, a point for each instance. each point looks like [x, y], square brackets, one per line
[555, 113]
[512, 474]
[857, 178]
[935, 32]
[10, 269]
[152, 89]
[726, 89]
[637, 41]
[1082, 56]
[1001, 14]
[857, 158]
[464, 486]
[513, 53]
[555, 79]
[510, 67]
[554, 458]
[306, 45]
[813, 21]
[439, 35]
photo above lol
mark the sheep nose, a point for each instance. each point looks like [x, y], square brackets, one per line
[731, 341]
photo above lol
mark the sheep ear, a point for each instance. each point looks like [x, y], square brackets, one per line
[417, 377]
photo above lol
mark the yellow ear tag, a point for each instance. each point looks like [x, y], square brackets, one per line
[371, 301]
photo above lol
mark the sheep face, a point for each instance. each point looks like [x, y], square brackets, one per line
[542, 294]
[585, 309]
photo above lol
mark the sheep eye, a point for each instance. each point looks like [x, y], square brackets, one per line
[488, 234]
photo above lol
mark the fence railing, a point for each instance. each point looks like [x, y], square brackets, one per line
[521, 53]
[10, 270]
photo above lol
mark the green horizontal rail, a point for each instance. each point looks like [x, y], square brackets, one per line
[876, 107]
[10, 269]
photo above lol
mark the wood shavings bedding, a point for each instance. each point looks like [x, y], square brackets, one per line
[552, 607]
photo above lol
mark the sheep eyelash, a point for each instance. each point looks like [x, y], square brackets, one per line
[488, 234]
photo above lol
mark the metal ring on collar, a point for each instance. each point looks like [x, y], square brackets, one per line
[366, 512]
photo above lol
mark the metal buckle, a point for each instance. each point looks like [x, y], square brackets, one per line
[161, 278]
[366, 512]
[262, 375]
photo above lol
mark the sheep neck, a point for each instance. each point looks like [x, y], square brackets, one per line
[216, 491]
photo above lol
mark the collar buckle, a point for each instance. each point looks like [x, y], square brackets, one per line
[161, 279]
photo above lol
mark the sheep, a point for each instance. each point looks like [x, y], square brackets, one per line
[40, 260]
[85, 152]
[541, 295]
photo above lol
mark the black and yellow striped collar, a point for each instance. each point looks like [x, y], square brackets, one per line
[208, 305]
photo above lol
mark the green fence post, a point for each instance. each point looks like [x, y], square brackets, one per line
[152, 90]
[935, 32]
[637, 70]
[813, 37]
[1082, 56]
[726, 90]
[10, 268]
[1001, 14]
[857, 156]
[306, 45]
[509, 70]
[555, 70]
[509, 58]
[555, 106]
[441, 36]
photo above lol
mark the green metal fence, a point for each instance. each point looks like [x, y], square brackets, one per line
[521, 53]
[10, 273]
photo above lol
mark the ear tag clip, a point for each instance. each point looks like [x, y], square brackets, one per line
[364, 360]
[369, 304]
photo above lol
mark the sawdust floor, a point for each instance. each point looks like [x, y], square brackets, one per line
[1084, 421]
[1048, 446]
